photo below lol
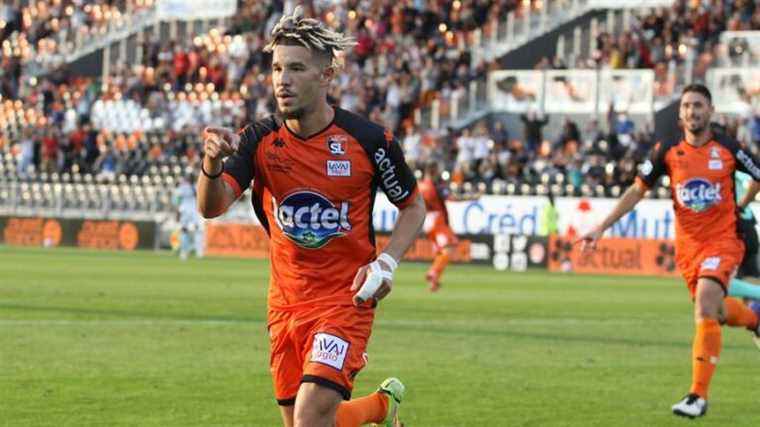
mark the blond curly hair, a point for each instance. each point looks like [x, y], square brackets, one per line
[312, 34]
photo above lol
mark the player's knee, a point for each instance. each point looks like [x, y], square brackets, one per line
[315, 406]
[709, 300]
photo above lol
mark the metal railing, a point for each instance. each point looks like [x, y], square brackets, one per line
[86, 200]
[520, 26]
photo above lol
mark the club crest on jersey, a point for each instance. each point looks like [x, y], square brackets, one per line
[337, 144]
[698, 194]
[310, 220]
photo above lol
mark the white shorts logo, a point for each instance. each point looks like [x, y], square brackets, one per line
[711, 263]
[338, 168]
[329, 349]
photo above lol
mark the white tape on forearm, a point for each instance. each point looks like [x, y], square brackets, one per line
[373, 281]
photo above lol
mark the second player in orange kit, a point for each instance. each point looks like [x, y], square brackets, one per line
[709, 249]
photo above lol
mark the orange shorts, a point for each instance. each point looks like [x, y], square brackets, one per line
[718, 261]
[322, 345]
[438, 231]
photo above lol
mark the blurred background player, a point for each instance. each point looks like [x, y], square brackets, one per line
[435, 192]
[709, 249]
[549, 217]
[315, 169]
[190, 222]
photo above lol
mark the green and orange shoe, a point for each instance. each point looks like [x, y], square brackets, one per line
[395, 391]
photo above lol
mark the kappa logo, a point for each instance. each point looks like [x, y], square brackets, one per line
[329, 350]
[337, 144]
[338, 168]
[714, 153]
[279, 143]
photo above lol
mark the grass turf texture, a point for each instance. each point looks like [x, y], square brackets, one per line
[105, 338]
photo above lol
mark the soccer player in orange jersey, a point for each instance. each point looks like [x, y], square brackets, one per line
[436, 225]
[315, 171]
[708, 248]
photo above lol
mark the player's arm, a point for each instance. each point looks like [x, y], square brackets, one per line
[748, 163]
[627, 201]
[649, 172]
[375, 280]
[215, 194]
[407, 226]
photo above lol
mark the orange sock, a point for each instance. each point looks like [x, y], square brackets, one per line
[738, 314]
[706, 350]
[439, 263]
[367, 409]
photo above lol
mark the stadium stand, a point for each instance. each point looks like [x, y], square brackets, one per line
[115, 143]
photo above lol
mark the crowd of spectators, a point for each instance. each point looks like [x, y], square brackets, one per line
[40, 32]
[664, 39]
[407, 54]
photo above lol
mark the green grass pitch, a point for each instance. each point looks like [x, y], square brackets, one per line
[143, 339]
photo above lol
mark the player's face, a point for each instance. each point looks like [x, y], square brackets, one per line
[695, 112]
[298, 80]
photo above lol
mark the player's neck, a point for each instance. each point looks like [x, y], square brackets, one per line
[312, 122]
[697, 139]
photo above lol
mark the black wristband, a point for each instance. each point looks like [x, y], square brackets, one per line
[221, 171]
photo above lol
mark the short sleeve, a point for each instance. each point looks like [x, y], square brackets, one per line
[240, 168]
[747, 162]
[654, 167]
[394, 175]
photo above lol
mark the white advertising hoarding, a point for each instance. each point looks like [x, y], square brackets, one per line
[735, 90]
[570, 91]
[196, 9]
[574, 91]
[515, 91]
[630, 91]
[619, 4]
[651, 219]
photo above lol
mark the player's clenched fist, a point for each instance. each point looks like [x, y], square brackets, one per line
[219, 143]
[374, 280]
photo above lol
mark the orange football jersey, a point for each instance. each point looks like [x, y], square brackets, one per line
[702, 185]
[314, 196]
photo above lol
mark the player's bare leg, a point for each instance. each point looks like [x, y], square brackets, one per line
[706, 348]
[287, 415]
[315, 406]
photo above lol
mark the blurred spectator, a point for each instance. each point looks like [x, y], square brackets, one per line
[533, 123]
[624, 129]
[26, 152]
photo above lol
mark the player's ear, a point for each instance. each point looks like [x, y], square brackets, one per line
[328, 73]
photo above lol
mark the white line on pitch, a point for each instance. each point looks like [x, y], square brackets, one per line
[389, 322]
